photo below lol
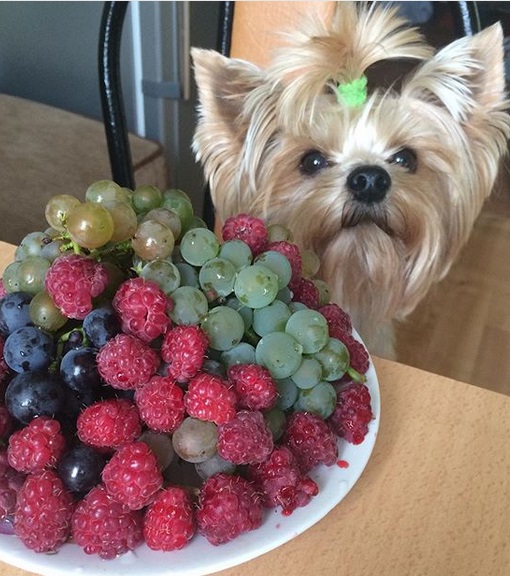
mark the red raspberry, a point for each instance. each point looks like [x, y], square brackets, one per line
[72, 281]
[282, 482]
[335, 316]
[10, 484]
[249, 229]
[227, 507]
[103, 526]
[254, 386]
[246, 439]
[36, 446]
[109, 423]
[311, 440]
[358, 354]
[4, 369]
[161, 404]
[352, 413]
[142, 307]
[169, 522]
[306, 292]
[293, 255]
[125, 362]
[42, 519]
[184, 349]
[132, 476]
[3, 291]
[210, 398]
[6, 422]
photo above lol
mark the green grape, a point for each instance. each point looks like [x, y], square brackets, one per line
[309, 328]
[190, 306]
[164, 273]
[334, 360]
[161, 445]
[238, 252]
[167, 217]
[52, 250]
[90, 225]
[146, 197]
[256, 286]
[287, 393]
[194, 222]
[309, 373]
[285, 296]
[216, 278]
[58, 208]
[195, 440]
[242, 353]
[310, 263]
[180, 203]
[32, 273]
[116, 277]
[280, 353]
[279, 264]
[106, 190]
[324, 291]
[295, 306]
[278, 233]
[189, 276]
[198, 246]
[214, 465]
[10, 278]
[246, 313]
[276, 421]
[31, 245]
[153, 240]
[271, 318]
[44, 313]
[124, 218]
[224, 327]
[320, 400]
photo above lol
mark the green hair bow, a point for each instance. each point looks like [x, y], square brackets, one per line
[352, 93]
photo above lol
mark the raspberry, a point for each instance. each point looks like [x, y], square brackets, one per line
[132, 476]
[335, 316]
[6, 422]
[249, 229]
[4, 369]
[282, 482]
[352, 413]
[3, 291]
[358, 354]
[72, 281]
[246, 439]
[10, 484]
[293, 255]
[36, 446]
[311, 440]
[42, 518]
[161, 404]
[209, 398]
[103, 526]
[125, 362]
[227, 507]
[306, 292]
[109, 423]
[254, 386]
[142, 307]
[184, 349]
[169, 522]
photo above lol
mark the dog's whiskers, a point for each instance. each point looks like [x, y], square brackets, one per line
[356, 214]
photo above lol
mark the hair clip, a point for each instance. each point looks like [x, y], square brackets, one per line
[352, 93]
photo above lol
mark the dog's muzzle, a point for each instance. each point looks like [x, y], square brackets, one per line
[369, 184]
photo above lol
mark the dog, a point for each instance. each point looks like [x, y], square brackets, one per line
[384, 183]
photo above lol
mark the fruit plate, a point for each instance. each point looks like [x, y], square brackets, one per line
[200, 557]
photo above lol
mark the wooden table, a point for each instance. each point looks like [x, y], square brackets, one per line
[434, 499]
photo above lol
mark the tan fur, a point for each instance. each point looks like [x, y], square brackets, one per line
[255, 126]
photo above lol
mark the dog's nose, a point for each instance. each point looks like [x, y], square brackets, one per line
[369, 183]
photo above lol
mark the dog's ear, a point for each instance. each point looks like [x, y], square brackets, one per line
[465, 76]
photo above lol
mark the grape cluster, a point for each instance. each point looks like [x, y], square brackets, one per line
[129, 321]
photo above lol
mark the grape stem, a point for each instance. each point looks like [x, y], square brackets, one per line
[356, 376]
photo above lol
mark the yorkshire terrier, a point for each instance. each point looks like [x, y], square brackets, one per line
[383, 183]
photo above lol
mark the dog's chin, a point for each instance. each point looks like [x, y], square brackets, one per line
[367, 215]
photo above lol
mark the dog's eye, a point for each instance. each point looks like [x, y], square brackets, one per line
[406, 158]
[312, 162]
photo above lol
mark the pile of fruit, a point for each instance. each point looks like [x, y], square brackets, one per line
[158, 383]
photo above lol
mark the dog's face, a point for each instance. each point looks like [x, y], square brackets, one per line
[386, 191]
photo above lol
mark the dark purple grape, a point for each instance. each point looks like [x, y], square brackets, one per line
[14, 312]
[80, 468]
[29, 348]
[32, 394]
[101, 325]
[73, 341]
[78, 369]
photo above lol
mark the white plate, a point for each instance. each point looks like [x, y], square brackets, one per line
[200, 557]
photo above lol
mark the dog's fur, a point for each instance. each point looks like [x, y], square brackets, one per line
[381, 256]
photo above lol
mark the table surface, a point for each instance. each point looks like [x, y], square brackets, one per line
[434, 499]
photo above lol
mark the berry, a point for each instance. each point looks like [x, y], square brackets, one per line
[36, 446]
[14, 312]
[359, 358]
[3, 291]
[10, 484]
[227, 507]
[169, 522]
[293, 255]
[184, 349]
[80, 468]
[73, 281]
[249, 229]
[352, 413]
[78, 370]
[4, 369]
[306, 292]
[282, 482]
[42, 518]
[132, 476]
[161, 404]
[246, 439]
[142, 307]
[210, 398]
[109, 423]
[101, 325]
[311, 440]
[103, 526]
[5, 422]
[28, 348]
[335, 316]
[254, 386]
[125, 362]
